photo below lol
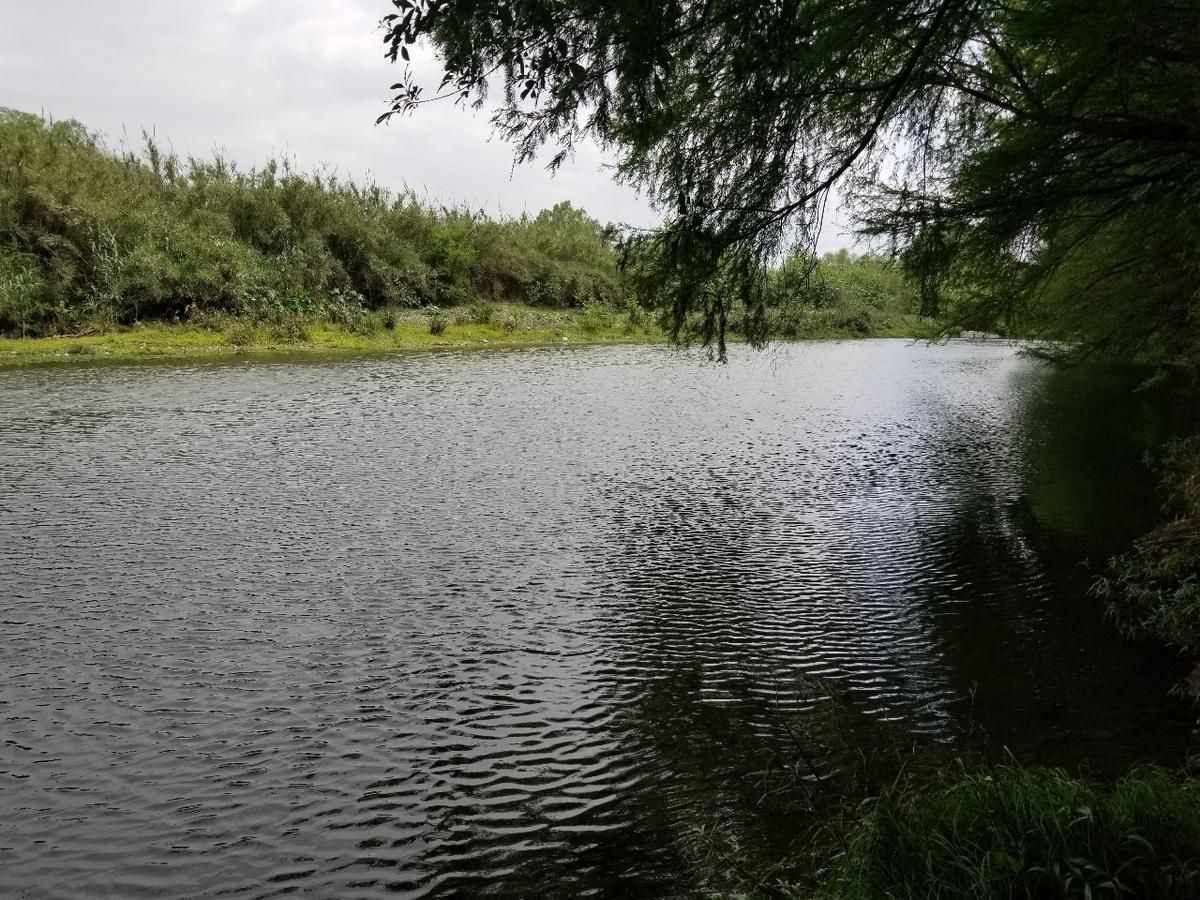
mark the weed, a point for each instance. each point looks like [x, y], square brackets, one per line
[509, 322]
[1026, 832]
[240, 334]
[480, 314]
[437, 321]
[290, 329]
[595, 316]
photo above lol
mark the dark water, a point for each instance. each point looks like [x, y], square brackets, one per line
[517, 624]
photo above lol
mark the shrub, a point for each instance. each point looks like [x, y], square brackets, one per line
[365, 323]
[595, 316]
[240, 334]
[88, 235]
[1018, 832]
[509, 322]
[857, 321]
[1155, 588]
[289, 329]
[480, 314]
[23, 294]
[437, 321]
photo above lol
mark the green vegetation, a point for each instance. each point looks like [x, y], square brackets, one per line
[1049, 179]
[1155, 589]
[839, 294]
[139, 255]
[90, 238]
[1029, 833]
[511, 326]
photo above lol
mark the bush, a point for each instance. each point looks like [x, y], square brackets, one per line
[365, 323]
[290, 329]
[241, 334]
[88, 235]
[23, 294]
[595, 316]
[1155, 589]
[437, 321]
[837, 294]
[509, 322]
[1029, 833]
[480, 314]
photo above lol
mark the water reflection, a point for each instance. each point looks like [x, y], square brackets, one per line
[510, 624]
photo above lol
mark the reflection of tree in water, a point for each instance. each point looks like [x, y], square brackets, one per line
[731, 623]
[1049, 678]
[1055, 681]
[1085, 434]
[910, 571]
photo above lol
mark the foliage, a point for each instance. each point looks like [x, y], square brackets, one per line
[1033, 164]
[1179, 476]
[509, 322]
[437, 321]
[88, 236]
[1021, 832]
[299, 335]
[838, 293]
[595, 316]
[1155, 588]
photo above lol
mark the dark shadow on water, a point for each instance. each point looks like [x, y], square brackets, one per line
[939, 588]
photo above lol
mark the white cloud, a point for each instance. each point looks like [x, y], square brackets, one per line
[255, 78]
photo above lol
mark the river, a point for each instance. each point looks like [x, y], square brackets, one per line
[522, 623]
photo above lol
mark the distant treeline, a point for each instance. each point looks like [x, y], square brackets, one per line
[839, 293]
[94, 237]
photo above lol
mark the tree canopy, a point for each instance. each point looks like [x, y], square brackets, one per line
[1033, 162]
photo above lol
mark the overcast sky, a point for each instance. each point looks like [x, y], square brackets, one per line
[302, 78]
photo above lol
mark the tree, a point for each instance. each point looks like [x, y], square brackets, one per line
[1034, 160]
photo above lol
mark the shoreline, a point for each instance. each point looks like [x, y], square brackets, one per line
[159, 342]
[183, 343]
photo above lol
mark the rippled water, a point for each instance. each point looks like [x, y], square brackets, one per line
[517, 623]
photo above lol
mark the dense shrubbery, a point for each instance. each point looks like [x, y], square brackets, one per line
[88, 236]
[1155, 589]
[840, 293]
[1017, 832]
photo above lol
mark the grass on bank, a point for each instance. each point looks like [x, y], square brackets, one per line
[1019, 832]
[477, 326]
[1015, 832]
[241, 336]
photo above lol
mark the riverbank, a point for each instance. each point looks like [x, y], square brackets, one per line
[156, 342]
[1025, 832]
[477, 327]
[1154, 589]
[1007, 831]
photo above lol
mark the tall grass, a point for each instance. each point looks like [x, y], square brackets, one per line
[93, 236]
[1026, 833]
[90, 236]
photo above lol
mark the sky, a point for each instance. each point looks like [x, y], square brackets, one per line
[304, 79]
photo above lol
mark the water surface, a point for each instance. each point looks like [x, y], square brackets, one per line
[517, 623]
